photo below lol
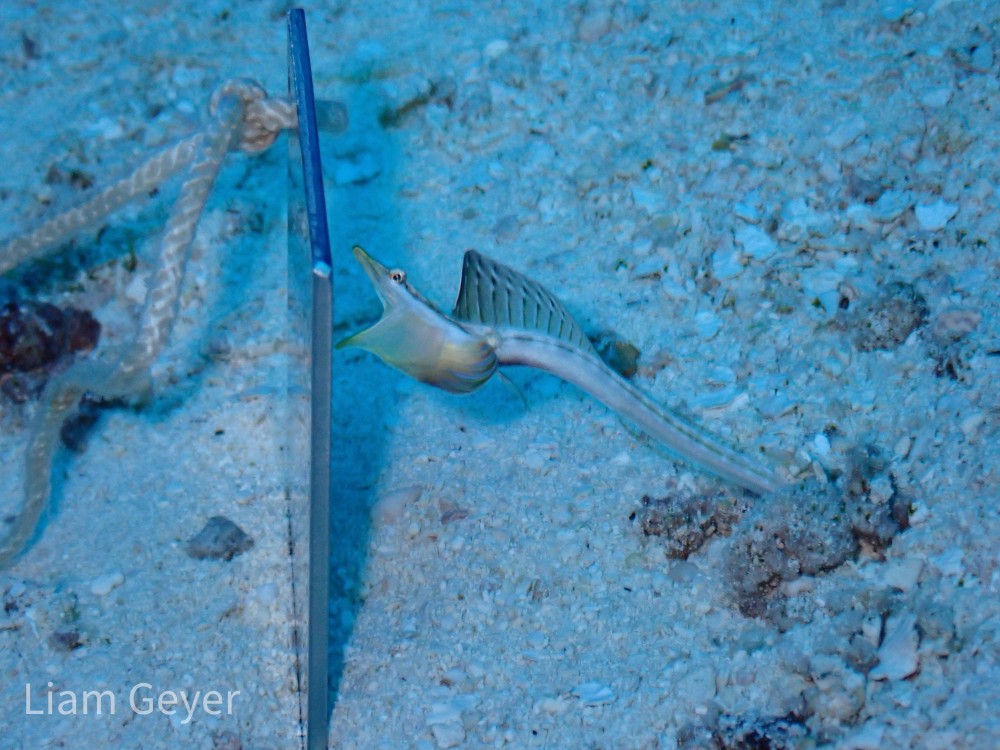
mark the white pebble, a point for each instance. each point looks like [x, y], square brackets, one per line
[726, 263]
[749, 213]
[898, 658]
[869, 737]
[135, 291]
[934, 216]
[106, 128]
[552, 705]
[903, 574]
[389, 506]
[776, 406]
[956, 322]
[891, 205]
[648, 200]
[444, 713]
[903, 445]
[594, 693]
[821, 444]
[708, 324]
[896, 10]
[105, 584]
[717, 399]
[818, 282]
[971, 424]
[950, 563]
[534, 460]
[846, 133]
[495, 49]
[756, 242]
[697, 687]
[721, 375]
[266, 594]
[447, 735]
[445, 720]
[937, 98]
[798, 220]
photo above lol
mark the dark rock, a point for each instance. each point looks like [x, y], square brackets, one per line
[221, 539]
[886, 321]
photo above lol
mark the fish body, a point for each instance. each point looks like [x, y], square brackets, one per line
[502, 318]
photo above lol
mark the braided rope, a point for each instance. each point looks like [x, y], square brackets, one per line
[57, 229]
[241, 118]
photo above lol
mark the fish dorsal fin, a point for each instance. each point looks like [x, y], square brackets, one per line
[495, 295]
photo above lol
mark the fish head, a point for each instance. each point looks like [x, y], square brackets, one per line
[416, 338]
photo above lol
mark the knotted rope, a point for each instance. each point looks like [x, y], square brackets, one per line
[241, 118]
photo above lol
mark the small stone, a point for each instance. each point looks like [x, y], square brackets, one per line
[594, 693]
[266, 594]
[891, 205]
[776, 406]
[553, 706]
[935, 216]
[871, 628]
[648, 200]
[895, 11]
[390, 505]
[981, 58]
[902, 447]
[226, 741]
[356, 168]
[404, 95]
[620, 355]
[105, 584]
[726, 263]
[950, 563]
[898, 657]
[707, 324]
[844, 134]
[821, 444]
[798, 220]
[721, 375]
[887, 321]
[903, 574]
[66, 640]
[750, 213]
[595, 23]
[717, 400]
[495, 49]
[135, 290]
[956, 323]
[534, 460]
[869, 737]
[971, 424]
[220, 539]
[937, 98]
[756, 242]
[445, 722]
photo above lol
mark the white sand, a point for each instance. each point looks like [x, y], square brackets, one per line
[500, 594]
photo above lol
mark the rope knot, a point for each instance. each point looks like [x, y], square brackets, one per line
[263, 117]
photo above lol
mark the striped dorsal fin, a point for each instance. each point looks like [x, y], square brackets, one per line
[495, 295]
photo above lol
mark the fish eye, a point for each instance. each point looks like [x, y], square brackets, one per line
[397, 275]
